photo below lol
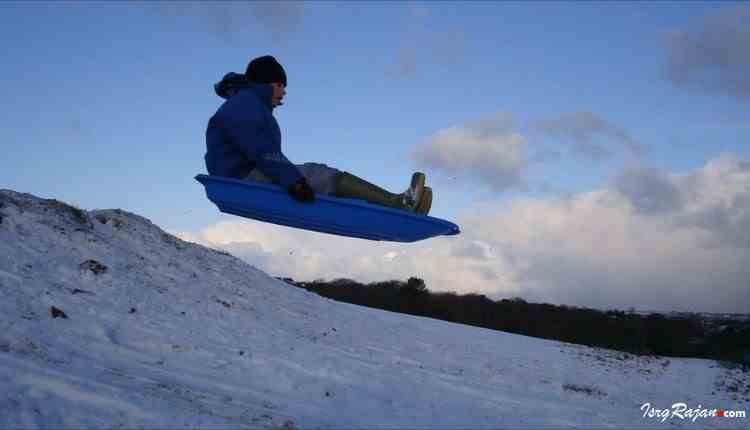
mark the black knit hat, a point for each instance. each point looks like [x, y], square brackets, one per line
[265, 70]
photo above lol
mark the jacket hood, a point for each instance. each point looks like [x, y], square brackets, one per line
[232, 83]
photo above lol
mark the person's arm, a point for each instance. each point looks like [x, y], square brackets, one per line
[257, 145]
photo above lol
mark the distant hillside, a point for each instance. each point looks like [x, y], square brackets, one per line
[697, 335]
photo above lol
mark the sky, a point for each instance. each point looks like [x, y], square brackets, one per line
[593, 153]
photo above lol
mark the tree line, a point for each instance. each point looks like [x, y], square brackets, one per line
[683, 335]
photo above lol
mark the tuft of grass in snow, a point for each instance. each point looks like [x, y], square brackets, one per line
[79, 215]
[287, 425]
[591, 391]
[94, 266]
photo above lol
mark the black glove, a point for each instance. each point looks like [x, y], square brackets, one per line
[302, 192]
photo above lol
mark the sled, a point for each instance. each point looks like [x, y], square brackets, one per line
[349, 217]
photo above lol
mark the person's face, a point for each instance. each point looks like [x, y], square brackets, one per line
[279, 91]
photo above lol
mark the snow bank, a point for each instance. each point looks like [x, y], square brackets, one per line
[108, 321]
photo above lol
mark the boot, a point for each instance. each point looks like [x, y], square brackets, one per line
[348, 185]
[425, 203]
[413, 195]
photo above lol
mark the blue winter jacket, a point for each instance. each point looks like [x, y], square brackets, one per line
[243, 134]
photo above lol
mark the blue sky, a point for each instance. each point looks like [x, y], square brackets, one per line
[106, 103]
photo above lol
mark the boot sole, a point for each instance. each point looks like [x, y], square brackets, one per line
[417, 184]
[426, 203]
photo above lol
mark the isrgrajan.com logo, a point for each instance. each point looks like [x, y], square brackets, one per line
[683, 412]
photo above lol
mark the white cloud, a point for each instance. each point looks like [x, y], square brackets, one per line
[229, 20]
[649, 190]
[487, 151]
[712, 55]
[717, 199]
[449, 46]
[283, 251]
[424, 44]
[279, 18]
[591, 135]
[405, 62]
[604, 248]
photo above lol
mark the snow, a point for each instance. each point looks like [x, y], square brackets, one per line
[165, 333]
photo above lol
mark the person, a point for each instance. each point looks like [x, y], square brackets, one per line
[243, 141]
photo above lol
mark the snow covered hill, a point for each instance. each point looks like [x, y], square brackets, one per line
[108, 321]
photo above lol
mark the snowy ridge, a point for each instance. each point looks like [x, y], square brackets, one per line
[108, 321]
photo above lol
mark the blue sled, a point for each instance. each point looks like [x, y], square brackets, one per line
[342, 216]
